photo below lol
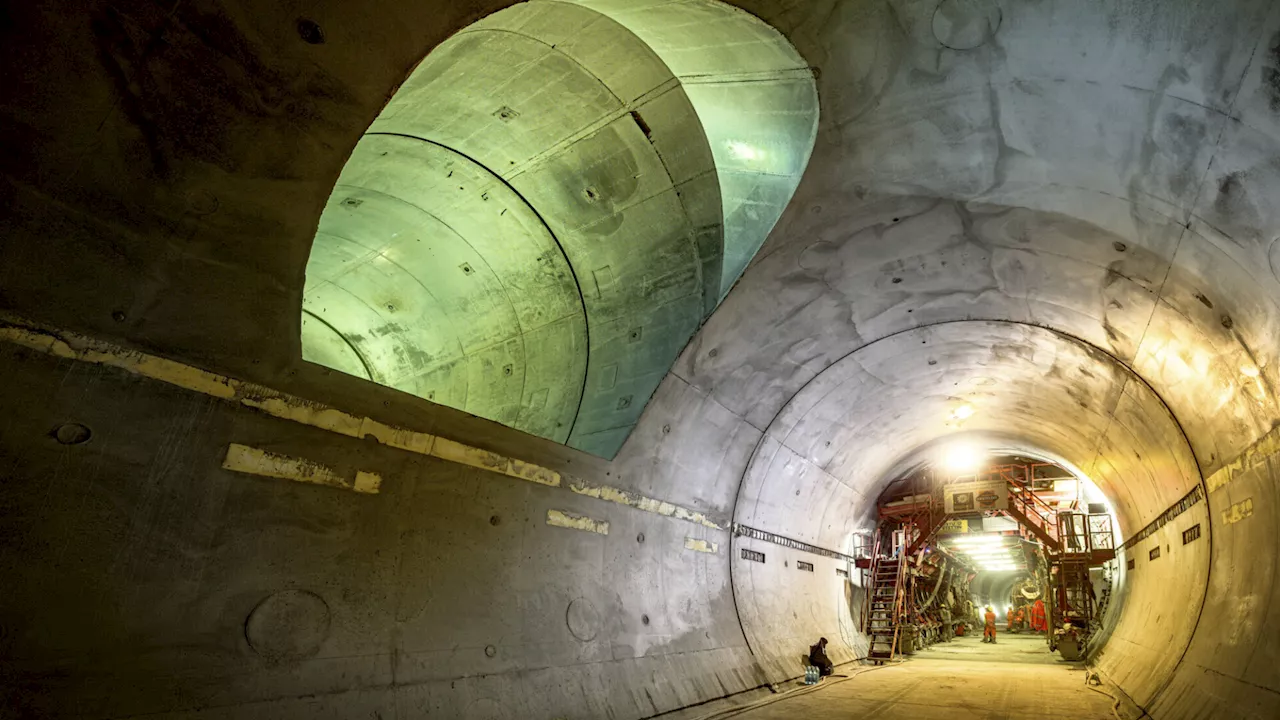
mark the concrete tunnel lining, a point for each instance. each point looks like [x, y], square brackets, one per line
[645, 149]
[825, 459]
[1104, 178]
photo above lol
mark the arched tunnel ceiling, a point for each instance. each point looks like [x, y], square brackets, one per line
[550, 205]
[1035, 177]
[1072, 211]
[885, 407]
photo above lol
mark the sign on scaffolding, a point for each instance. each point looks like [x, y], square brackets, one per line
[976, 497]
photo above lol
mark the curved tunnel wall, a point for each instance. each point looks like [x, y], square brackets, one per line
[551, 204]
[828, 453]
[1095, 182]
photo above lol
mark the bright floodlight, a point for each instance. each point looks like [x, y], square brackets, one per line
[963, 458]
[962, 412]
[984, 540]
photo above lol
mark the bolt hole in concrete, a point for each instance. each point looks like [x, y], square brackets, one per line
[640, 538]
[287, 626]
[72, 434]
[490, 651]
[644, 619]
[118, 316]
[495, 520]
[583, 619]
[310, 32]
[965, 24]
[1119, 246]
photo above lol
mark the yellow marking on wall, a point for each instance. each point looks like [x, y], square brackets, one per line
[640, 502]
[702, 546]
[1238, 512]
[318, 415]
[252, 461]
[485, 460]
[272, 402]
[367, 482]
[1268, 446]
[573, 521]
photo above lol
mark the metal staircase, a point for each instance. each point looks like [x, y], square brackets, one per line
[884, 606]
[1034, 515]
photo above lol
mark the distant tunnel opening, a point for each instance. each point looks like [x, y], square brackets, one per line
[987, 530]
[889, 425]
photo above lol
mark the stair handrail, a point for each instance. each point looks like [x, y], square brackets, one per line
[1031, 512]
[871, 582]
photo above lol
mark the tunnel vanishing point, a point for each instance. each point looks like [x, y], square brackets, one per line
[558, 359]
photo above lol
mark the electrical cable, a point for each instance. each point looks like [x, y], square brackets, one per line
[793, 693]
[1115, 706]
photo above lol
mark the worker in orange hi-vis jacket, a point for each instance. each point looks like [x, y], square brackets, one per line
[1038, 622]
[989, 629]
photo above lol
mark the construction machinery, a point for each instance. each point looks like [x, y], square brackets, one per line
[1043, 502]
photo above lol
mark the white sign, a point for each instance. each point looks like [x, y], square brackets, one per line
[975, 497]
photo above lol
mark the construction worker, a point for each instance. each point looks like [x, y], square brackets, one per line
[989, 628]
[1038, 622]
[818, 658]
[1008, 619]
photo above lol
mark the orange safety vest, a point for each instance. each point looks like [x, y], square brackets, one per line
[990, 617]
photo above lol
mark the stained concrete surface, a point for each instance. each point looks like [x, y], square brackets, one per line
[1061, 219]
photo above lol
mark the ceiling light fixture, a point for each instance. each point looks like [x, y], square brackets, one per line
[963, 459]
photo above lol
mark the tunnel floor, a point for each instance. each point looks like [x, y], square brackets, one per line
[1009, 647]
[1015, 679]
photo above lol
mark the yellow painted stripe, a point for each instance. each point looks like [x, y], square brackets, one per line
[640, 502]
[1266, 447]
[305, 412]
[367, 482]
[702, 546]
[1238, 511]
[252, 461]
[272, 402]
[559, 518]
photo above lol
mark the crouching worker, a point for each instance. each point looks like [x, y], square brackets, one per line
[989, 628]
[818, 658]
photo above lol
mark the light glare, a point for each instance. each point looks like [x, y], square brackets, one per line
[743, 151]
[963, 458]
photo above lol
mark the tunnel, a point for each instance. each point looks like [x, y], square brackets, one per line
[564, 359]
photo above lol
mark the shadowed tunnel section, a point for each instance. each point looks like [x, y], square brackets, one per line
[552, 203]
[1059, 214]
